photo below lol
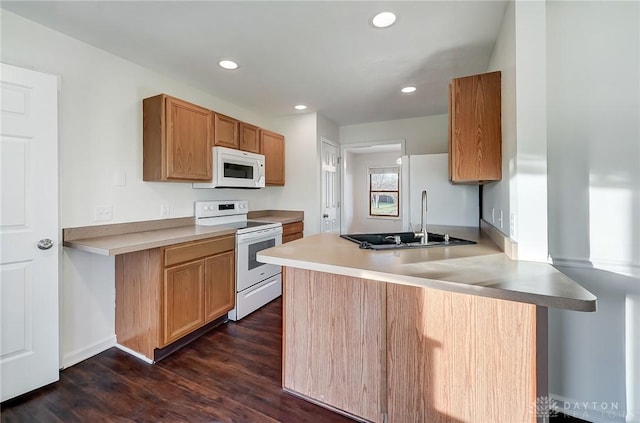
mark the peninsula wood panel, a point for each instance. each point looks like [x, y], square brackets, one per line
[138, 299]
[506, 359]
[334, 341]
[459, 358]
[475, 129]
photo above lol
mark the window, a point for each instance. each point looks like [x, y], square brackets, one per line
[384, 191]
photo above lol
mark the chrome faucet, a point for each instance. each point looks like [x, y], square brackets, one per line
[423, 234]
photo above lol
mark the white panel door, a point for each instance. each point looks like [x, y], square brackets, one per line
[29, 232]
[330, 188]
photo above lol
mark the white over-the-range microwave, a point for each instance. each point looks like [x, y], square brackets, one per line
[235, 169]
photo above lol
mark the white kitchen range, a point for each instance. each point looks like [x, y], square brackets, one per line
[256, 283]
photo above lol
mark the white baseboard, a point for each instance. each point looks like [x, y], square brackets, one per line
[81, 354]
[591, 411]
[134, 353]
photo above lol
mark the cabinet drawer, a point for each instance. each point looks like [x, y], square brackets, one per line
[292, 228]
[292, 237]
[196, 250]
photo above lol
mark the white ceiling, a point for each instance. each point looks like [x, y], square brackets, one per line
[324, 54]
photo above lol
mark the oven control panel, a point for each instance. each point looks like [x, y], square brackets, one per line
[220, 208]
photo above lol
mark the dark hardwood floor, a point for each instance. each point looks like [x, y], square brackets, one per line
[232, 374]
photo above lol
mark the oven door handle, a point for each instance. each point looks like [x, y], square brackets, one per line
[259, 236]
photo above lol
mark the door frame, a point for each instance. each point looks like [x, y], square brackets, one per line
[338, 179]
[404, 188]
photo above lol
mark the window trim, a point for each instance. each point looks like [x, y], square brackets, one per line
[372, 170]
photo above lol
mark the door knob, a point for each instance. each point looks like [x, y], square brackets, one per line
[45, 244]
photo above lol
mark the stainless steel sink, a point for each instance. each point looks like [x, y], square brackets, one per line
[397, 240]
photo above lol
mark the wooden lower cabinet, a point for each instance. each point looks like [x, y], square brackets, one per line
[183, 310]
[163, 294]
[219, 293]
[375, 349]
[292, 231]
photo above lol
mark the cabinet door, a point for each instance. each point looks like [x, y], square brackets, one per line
[183, 299]
[220, 285]
[475, 143]
[249, 138]
[225, 131]
[272, 146]
[188, 137]
[292, 231]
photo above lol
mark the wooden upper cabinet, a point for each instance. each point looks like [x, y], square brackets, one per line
[272, 146]
[475, 129]
[249, 138]
[177, 138]
[226, 131]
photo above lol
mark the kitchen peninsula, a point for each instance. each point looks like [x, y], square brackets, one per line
[455, 334]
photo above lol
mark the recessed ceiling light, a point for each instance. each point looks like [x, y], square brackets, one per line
[408, 90]
[228, 64]
[300, 107]
[383, 19]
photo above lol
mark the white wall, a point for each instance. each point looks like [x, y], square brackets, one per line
[100, 109]
[529, 219]
[502, 195]
[422, 135]
[521, 195]
[447, 204]
[302, 188]
[328, 129]
[357, 203]
[593, 72]
[348, 191]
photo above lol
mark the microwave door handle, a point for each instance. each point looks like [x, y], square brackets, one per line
[261, 180]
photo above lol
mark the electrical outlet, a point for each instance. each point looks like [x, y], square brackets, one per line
[512, 225]
[120, 178]
[500, 220]
[164, 209]
[103, 213]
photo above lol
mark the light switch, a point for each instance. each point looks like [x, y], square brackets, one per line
[120, 178]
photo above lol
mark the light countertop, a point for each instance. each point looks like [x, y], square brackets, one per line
[278, 216]
[121, 238]
[121, 243]
[480, 269]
